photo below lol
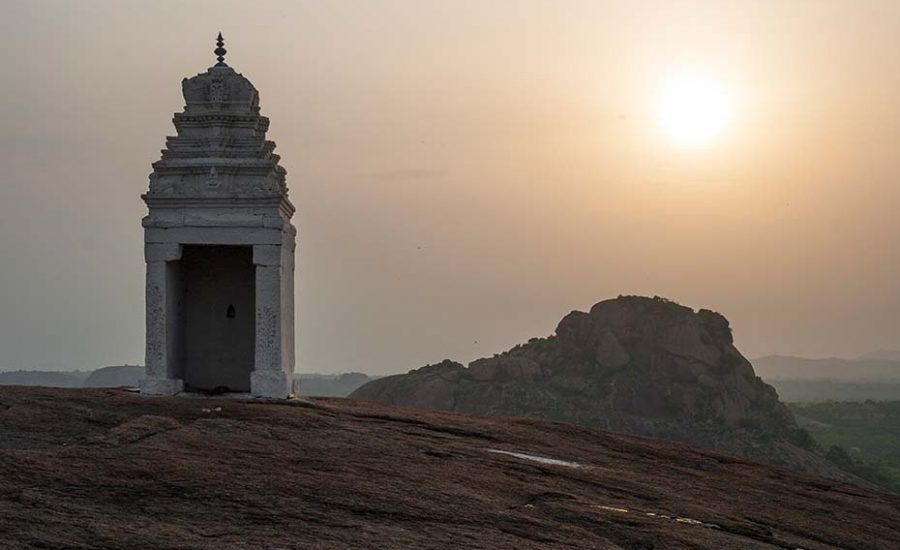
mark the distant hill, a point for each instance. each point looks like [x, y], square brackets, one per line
[115, 376]
[806, 390]
[882, 355]
[106, 377]
[774, 367]
[637, 365]
[329, 385]
[103, 468]
[306, 384]
[58, 379]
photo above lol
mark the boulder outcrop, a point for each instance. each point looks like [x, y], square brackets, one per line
[639, 365]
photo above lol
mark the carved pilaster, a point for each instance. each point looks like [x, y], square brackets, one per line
[161, 322]
[273, 370]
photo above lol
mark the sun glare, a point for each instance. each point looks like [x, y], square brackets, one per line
[694, 110]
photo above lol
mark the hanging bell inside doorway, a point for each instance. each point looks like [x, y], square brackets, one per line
[230, 311]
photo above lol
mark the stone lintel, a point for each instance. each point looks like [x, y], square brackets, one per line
[222, 220]
[213, 235]
[267, 255]
[274, 222]
[214, 219]
[162, 252]
[279, 202]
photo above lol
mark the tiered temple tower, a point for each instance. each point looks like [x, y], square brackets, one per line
[219, 247]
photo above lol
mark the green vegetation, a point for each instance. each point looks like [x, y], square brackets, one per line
[861, 437]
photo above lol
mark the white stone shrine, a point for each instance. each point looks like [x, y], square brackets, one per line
[219, 247]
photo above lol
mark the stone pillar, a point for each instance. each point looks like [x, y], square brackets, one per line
[273, 369]
[161, 323]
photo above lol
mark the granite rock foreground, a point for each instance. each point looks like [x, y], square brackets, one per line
[104, 468]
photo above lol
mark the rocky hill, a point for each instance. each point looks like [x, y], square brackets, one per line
[637, 365]
[105, 468]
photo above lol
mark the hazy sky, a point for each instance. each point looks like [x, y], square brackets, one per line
[466, 173]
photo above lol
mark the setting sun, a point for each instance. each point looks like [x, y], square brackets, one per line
[694, 110]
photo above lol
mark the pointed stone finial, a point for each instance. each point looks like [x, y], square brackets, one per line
[220, 51]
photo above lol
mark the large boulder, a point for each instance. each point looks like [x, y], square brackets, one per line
[632, 364]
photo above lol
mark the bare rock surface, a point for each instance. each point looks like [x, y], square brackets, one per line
[105, 468]
[633, 364]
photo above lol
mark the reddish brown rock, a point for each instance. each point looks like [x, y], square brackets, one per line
[502, 368]
[336, 473]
